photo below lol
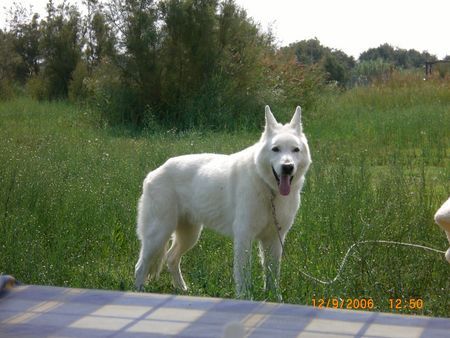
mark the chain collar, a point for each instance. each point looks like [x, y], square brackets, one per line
[275, 221]
[274, 212]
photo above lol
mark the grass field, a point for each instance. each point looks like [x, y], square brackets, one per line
[381, 168]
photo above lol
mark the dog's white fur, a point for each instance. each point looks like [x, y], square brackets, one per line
[230, 194]
[442, 218]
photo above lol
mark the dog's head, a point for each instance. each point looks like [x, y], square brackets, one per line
[284, 153]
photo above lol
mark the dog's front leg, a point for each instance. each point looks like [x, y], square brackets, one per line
[242, 266]
[271, 251]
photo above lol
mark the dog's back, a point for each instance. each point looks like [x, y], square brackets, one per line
[200, 188]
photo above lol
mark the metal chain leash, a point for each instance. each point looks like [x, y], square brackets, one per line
[275, 220]
[347, 254]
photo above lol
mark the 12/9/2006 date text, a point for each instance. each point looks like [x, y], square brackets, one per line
[347, 303]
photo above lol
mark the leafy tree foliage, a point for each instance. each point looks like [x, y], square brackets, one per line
[290, 82]
[136, 22]
[396, 56]
[100, 40]
[335, 63]
[371, 71]
[9, 59]
[211, 61]
[23, 37]
[26, 44]
[10, 62]
[60, 47]
[185, 63]
[309, 51]
[177, 63]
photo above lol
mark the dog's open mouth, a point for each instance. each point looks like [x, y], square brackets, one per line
[284, 182]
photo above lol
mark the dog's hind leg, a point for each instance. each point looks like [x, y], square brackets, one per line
[155, 226]
[186, 235]
[151, 258]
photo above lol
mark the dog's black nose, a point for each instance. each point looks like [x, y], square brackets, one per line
[287, 169]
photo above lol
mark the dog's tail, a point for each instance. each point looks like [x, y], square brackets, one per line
[156, 222]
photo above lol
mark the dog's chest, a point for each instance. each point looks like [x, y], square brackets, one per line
[282, 211]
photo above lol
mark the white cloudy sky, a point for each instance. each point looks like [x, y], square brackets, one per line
[350, 25]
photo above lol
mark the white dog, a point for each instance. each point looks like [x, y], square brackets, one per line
[442, 218]
[252, 194]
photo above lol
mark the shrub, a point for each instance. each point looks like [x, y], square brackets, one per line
[367, 72]
[38, 87]
[291, 83]
[77, 86]
[114, 98]
[7, 91]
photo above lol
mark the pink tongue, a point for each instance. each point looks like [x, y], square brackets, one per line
[285, 185]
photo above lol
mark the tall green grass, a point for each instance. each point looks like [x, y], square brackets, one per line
[381, 167]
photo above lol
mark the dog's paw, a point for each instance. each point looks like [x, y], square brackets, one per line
[244, 295]
[279, 298]
[181, 287]
[274, 296]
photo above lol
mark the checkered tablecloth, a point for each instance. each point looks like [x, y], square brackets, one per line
[40, 311]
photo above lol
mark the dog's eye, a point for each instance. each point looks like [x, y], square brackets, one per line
[276, 149]
[296, 149]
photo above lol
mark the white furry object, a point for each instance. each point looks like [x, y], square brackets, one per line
[442, 218]
[231, 194]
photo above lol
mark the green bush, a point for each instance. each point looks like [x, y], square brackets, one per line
[115, 99]
[77, 86]
[291, 84]
[38, 87]
[7, 91]
[335, 64]
[367, 72]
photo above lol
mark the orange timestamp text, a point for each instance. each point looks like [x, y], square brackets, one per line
[397, 304]
[346, 303]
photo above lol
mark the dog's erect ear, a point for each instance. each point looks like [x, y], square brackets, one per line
[296, 122]
[271, 123]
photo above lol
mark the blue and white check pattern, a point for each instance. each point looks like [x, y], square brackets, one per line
[39, 311]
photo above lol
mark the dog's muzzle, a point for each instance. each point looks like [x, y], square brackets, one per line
[284, 182]
[287, 169]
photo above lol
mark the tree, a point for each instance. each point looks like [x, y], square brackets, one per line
[10, 61]
[60, 47]
[189, 49]
[182, 62]
[25, 36]
[212, 61]
[310, 51]
[100, 40]
[335, 63]
[398, 57]
[104, 41]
